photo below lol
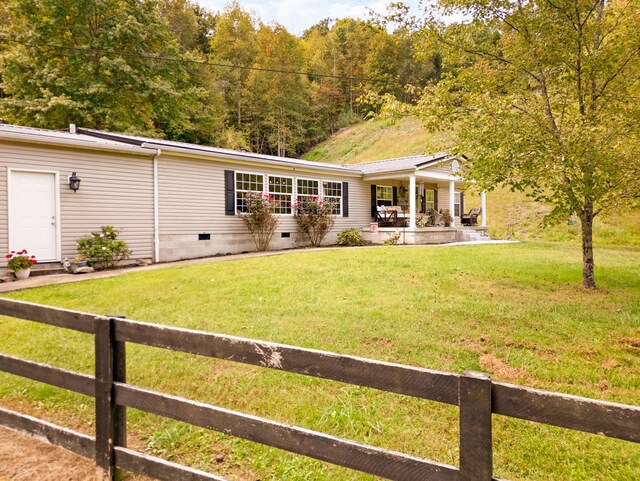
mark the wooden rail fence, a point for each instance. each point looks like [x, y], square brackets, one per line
[477, 396]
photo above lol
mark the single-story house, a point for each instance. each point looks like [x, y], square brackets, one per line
[175, 200]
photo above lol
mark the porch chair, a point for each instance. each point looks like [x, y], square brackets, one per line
[436, 218]
[472, 217]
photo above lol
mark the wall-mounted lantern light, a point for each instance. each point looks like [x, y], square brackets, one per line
[74, 182]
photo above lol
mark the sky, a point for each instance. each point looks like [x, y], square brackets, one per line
[298, 15]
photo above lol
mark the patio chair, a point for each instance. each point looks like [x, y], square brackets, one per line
[472, 217]
[436, 218]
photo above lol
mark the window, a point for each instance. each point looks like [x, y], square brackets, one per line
[384, 195]
[307, 188]
[333, 193]
[281, 189]
[429, 199]
[247, 183]
[456, 205]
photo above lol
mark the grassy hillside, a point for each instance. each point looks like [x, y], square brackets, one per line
[510, 215]
[375, 140]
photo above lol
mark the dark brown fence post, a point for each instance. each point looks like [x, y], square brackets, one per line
[120, 375]
[105, 405]
[476, 453]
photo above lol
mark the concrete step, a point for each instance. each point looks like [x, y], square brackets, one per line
[475, 235]
[47, 268]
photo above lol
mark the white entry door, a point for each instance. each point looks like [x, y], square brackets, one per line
[33, 214]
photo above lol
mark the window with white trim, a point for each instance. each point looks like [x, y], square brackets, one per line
[332, 192]
[429, 199]
[306, 188]
[384, 195]
[456, 204]
[247, 183]
[281, 189]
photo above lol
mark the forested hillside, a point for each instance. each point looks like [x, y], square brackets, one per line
[511, 215]
[172, 69]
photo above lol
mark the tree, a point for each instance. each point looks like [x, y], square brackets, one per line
[279, 101]
[546, 101]
[190, 24]
[234, 43]
[87, 62]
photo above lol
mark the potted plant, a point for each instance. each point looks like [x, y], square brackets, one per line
[447, 219]
[422, 220]
[20, 263]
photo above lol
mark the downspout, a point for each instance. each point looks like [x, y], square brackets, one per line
[156, 216]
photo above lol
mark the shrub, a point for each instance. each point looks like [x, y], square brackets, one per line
[422, 220]
[102, 249]
[393, 239]
[20, 260]
[350, 237]
[315, 219]
[260, 219]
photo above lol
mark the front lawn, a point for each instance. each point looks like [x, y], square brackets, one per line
[516, 311]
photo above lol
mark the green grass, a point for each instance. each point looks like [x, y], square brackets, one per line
[376, 140]
[513, 310]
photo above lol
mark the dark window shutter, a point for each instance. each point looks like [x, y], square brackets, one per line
[345, 199]
[229, 192]
[461, 203]
[395, 196]
[374, 201]
[435, 199]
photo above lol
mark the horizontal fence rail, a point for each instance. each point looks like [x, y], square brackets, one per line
[477, 396]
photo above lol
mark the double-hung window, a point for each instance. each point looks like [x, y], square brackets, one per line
[429, 199]
[247, 183]
[332, 192]
[456, 205]
[384, 195]
[306, 188]
[281, 189]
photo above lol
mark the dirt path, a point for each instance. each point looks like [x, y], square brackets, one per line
[24, 458]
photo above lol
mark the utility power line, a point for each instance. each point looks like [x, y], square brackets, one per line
[197, 62]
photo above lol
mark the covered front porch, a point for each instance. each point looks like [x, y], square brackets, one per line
[425, 195]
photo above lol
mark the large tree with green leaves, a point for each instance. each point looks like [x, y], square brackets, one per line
[545, 99]
[87, 61]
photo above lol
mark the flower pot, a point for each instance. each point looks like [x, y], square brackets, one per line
[22, 274]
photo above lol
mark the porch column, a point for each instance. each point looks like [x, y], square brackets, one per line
[452, 202]
[412, 201]
[483, 204]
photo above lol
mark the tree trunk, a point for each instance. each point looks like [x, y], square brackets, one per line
[586, 221]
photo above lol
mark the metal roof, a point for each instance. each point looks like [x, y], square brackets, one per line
[33, 134]
[399, 163]
[217, 151]
[98, 139]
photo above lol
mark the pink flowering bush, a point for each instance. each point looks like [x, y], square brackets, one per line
[260, 218]
[20, 260]
[315, 218]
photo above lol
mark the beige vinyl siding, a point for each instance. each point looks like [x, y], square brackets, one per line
[116, 189]
[443, 168]
[192, 201]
